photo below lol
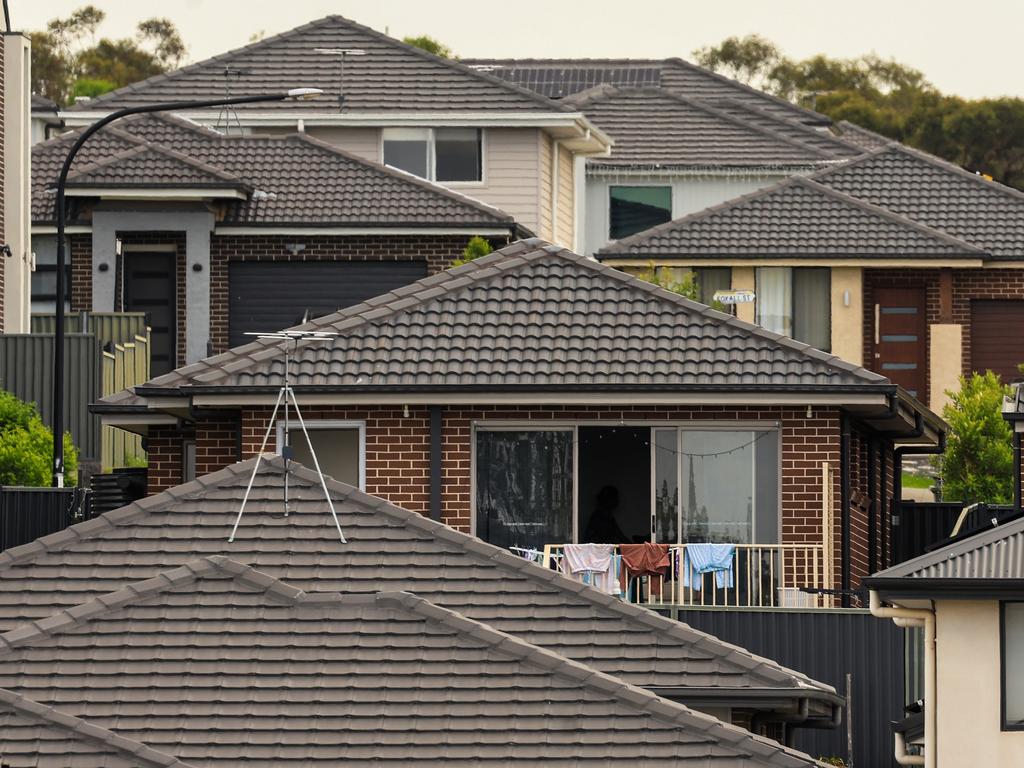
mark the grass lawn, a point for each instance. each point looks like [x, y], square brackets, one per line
[916, 481]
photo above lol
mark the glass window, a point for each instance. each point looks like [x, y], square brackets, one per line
[711, 279]
[188, 460]
[524, 487]
[337, 451]
[1013, 666]
[44, 278]
[796, 302]
[408, 149]
[716, 486]
[457, 152]
[634, 209]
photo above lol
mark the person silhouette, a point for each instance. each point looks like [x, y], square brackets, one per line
[603, 528]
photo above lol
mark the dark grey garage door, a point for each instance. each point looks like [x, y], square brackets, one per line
[271, 295]
[997, 343]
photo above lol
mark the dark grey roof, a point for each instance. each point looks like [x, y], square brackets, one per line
[391, 77]
[794, 218]
[307, 181]
[995, 554]
[216, 663]
[388, 549]
[153, 166]
[753, 114]
[654, 127]
[530, 317]
[42, 104]
[558, 78]
[862, 137]
[943, 196]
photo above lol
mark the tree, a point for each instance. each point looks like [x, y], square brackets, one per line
[68, 61]
[664, 277]
[430, 45]
[978, 462]
[26, 446]
[888, 97]
[475, 248]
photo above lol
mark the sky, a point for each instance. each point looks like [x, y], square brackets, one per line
[967, 48]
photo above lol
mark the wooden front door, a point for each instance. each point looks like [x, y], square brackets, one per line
[149, 288]
[901, 333]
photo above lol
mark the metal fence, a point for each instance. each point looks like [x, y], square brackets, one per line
[918, 525]
[29, 513]
[827, 645]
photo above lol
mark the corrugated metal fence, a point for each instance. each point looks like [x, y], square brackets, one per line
[112, 354]
[827, 645]
[28, 513]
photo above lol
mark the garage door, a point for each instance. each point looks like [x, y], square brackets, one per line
[997, 340]
[271, 295]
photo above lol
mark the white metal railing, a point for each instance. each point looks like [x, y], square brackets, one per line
[760, 575]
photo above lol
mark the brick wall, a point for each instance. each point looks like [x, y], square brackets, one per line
[968, 285]
[437, 251]
[80, 253]
[398, 453]
[165, 452]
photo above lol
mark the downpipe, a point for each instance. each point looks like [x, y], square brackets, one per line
[916, 617]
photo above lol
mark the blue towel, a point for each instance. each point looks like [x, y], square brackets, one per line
[699, 559]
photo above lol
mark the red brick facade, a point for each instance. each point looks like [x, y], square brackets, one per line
[397, 460]
[967, 285]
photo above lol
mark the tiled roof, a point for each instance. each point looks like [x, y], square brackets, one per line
[997, 553]
[795, 218]
[752, 114]
[388, 549]
[390, 77]
[943, 196]
[151, 166]
[558, 78]
[305, 181]
[862, 137]
[216, 663]
[653, 127]
[530, 316]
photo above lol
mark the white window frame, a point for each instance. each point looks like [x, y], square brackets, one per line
[312, 424]
[432, 158]
[573, 426]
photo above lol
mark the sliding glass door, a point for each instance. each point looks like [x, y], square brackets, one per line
[524, 486]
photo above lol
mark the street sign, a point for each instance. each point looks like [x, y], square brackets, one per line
[734, 297]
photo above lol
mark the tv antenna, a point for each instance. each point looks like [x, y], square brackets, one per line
[286, 395]
[341, 53]
[227, 112]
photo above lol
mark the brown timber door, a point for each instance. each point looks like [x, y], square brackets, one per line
[997, 337]
[901, 332]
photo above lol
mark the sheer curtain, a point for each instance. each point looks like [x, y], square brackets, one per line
[812, 306]
[774, 299]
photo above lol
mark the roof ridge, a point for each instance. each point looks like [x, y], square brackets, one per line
[804, 128]
[404, 176]
[492, 553]
[616, 248]
[137, 750]
[562, 666]
[161, 149]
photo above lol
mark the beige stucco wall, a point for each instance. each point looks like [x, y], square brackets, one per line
[848, 320]
[362, 142]
[743, 280]
[945, 362]
[968, 688]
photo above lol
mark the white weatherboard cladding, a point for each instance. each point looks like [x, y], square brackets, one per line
[689, 195]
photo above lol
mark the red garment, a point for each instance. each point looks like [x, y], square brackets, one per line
[647, 559]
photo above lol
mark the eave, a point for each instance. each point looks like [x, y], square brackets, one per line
[176, 194]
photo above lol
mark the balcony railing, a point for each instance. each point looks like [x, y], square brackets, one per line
[760, 575]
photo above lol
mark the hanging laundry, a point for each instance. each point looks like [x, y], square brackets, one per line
[647, 559]
[699, 559]
[594, 564]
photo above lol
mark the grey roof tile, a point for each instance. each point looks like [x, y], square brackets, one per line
[797, 218]
[241, 669]
[654, 127]
[151, 165]
[938, 194]
[389, 549]
[390, 77]
[306, 181]
[561, 320]
[862, 137]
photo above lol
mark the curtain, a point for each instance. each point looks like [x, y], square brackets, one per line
[711, 279]
[812, 307]
[774, 299]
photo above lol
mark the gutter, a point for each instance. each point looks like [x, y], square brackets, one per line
[912, 617]
[913, 450]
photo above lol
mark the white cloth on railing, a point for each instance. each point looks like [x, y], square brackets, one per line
[594, 564]
[699, 559]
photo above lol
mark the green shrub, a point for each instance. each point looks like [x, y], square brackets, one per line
[26, 446]
[663, 278]
[92, 87]
[475, 248]
[978, 462]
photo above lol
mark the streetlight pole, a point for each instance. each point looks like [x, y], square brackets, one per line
[58, 331]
